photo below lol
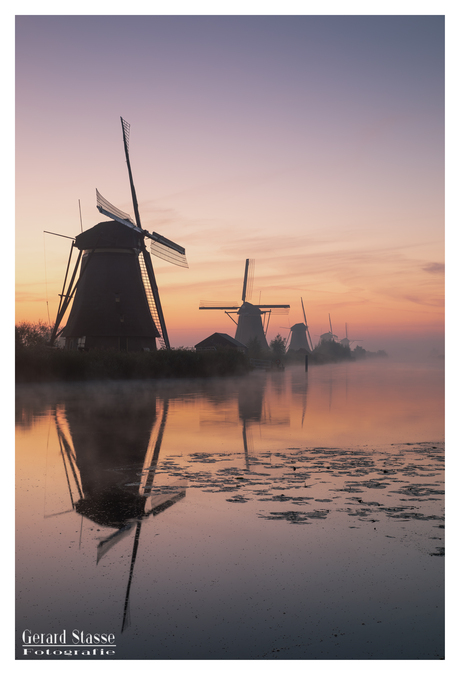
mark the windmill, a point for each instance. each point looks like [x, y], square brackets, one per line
[250, 325]
[300, 335]
[345, 342]
[116, 302]
[328, 337]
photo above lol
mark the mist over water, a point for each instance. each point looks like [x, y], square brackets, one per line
[280, 515]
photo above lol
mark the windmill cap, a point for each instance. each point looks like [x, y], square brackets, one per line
[108, 234]
[248, 308]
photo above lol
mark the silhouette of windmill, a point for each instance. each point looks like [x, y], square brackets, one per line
[329, 336]
[300, 335]
[117, 303]
[345, 342]
[249, 326]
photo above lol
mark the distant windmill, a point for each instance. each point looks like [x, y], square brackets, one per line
[117, 302]
[300, 335]
[345, 342]
[249, 324]
[328, 337]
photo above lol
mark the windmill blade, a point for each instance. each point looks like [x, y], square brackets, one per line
[106, 544]
[167, 250]
[126, 127]
[276, 311]
[245, 280]
[111, 211]
[248, 279]
[213, 304]
[330, 324]
[303, 310]
[274, 307]
[225, 308]
[158, 238]
[311, 341]
[153, 296]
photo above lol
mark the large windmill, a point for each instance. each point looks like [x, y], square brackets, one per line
[116, 302]
[253, 320]
[300, 335]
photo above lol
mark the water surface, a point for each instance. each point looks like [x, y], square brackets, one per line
[281, 516]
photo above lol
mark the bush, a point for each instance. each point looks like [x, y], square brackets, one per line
[331, 352]
[29, 334]
[278, 347]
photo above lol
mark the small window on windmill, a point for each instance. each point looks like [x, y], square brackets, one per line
[117, 297]
[81, 342]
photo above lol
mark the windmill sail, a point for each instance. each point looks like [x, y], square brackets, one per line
[126, 128]
[306, 325]
[248, 279]
[167, 250]
[111, 211]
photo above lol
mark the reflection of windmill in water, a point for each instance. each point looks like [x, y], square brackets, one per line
[250, 411]
[253, 319]
[116, 302]
[299, 334]
[253, 410]
[299, 388]
[111, 464]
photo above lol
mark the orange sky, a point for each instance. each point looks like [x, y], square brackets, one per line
[313, 144]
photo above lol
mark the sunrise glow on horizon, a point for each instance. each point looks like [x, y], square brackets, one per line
[312, 144]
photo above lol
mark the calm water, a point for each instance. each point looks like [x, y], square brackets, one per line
[278, 516]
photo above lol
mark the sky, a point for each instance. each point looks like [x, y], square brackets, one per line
[313, 144]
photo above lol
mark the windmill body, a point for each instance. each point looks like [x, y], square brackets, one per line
[298, 338]
[299, 333]
[110, 309]
[250, 323]
[327, 337]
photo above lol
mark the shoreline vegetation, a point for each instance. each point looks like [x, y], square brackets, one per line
[37, 362]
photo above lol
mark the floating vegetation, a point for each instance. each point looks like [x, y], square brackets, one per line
[267, 484]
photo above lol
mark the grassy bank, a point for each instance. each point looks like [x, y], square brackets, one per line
[43, 364]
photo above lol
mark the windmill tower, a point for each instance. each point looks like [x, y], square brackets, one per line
[345, 342]
[328, 337]
[300, 335]
[116, 302]
[251, 318]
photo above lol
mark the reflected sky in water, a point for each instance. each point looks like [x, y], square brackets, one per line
[277, 516]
